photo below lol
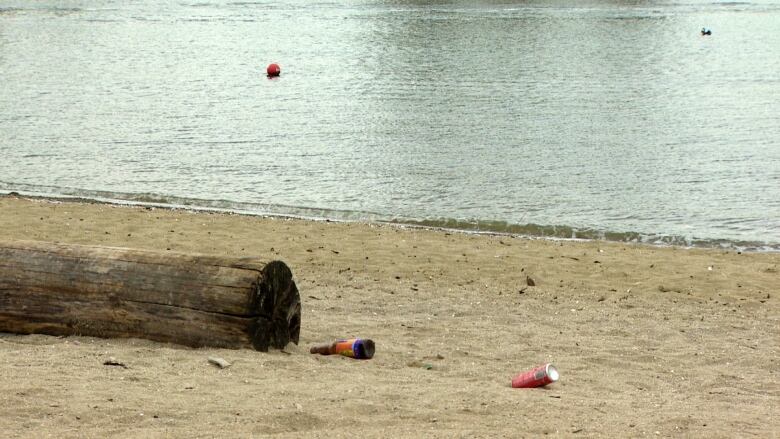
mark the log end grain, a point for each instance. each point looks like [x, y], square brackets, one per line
[278, 306]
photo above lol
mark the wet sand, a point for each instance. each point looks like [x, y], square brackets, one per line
[649, 341]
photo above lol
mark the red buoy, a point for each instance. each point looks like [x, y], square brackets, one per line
[273, 70]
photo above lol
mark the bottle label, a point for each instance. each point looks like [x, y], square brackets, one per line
[346, 347]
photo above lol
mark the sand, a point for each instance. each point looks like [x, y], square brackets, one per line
[649, 341]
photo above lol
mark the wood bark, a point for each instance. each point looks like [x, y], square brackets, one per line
[66, 289]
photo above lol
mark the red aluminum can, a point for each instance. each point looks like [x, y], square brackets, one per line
[536, 377]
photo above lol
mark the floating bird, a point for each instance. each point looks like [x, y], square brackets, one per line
[706, 31]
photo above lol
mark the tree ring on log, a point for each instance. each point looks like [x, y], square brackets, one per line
[277, 303]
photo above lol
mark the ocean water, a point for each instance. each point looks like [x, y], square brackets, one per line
[599, 119]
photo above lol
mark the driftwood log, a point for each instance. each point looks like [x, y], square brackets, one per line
[192, 300]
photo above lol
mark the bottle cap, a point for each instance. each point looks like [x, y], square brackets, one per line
[364, 348]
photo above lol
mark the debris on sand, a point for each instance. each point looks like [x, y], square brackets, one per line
[114, 362]
[219, 362]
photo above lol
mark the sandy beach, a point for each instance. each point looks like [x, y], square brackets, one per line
[649, 341]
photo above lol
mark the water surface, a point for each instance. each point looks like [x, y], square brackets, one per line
[608, 119]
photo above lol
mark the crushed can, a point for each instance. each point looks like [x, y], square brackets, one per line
[536, 377]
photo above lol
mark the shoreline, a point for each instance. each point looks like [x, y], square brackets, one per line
[647, 339]
[467, 227]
